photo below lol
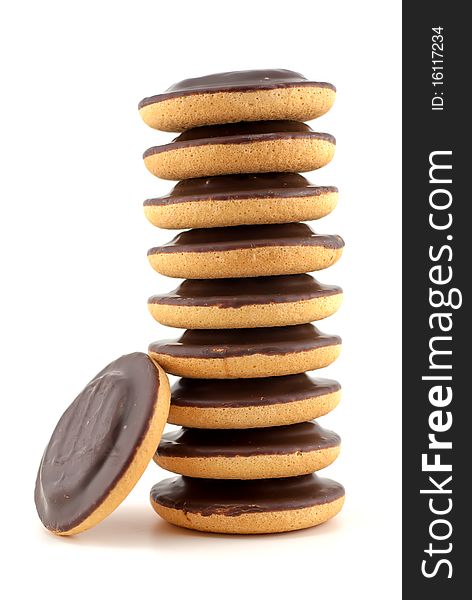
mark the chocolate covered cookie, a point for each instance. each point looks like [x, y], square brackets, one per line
[258, 506]
[258, 147]
[246, 251]
[246, 302]
[261, 453]
[241, 200]
[246, 403]
[246, 353]
[256, 95]
[102, 444]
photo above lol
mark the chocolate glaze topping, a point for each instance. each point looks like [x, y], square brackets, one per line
[239, 393]
[287, 439]
[223, 343]
[236, 81]
[95, 441]
[234, 293]
[243, 128]
[232, 498]
[248, 236]
[241, 133]
[241, 187]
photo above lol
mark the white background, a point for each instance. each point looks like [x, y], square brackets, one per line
[75, 279]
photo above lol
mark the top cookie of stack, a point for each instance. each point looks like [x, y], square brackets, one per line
[236, 96]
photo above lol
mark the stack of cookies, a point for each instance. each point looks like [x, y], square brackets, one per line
[248, 448]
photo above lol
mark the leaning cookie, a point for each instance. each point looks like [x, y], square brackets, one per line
[262, 453]
[260, 147]
[241, 200]
[246, 302]
[256, 95]
[102, 444]
[247, 507]
[245, 353]
[246, 251]
[247, 403]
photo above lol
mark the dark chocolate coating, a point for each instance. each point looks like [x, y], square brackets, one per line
[215, 239]
[241, 133]
[224, 343]
[236, 81]
[239, 393]
[232, 498]
[243, 128]
[208, 443]
[237, 292]
[95, 441]
[241, 187]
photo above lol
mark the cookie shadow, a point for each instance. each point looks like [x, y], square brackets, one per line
[139, 527]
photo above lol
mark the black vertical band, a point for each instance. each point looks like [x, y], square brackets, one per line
[437, 268]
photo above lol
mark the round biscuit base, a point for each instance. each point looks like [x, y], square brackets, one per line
[263, 466]
[252, 523]
[292, 103]
[292, 155]
[142, 458]
[252, 315]
[202, 213]
[271, 415]
[244, 367]
[247, 262]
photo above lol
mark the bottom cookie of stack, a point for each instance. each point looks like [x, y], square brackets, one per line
[247, 506]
